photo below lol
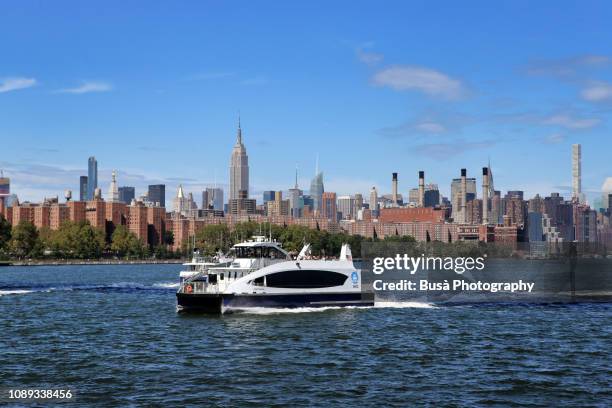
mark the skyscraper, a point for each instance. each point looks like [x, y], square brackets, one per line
[345, 205]
[239, 168]
[296, 201]
[328, 206]
[157, 194]
[215, 197]
[127, 194]
[5, 191]
[205, 200]
[577, 172]
[269, 195]
[317, 189]
[83, 188]
[374, 202]
[113, 190]
[92, 177]
[456, 196]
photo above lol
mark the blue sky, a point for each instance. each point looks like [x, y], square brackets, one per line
[153, 90]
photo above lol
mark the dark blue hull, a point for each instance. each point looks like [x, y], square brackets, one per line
[218, 303]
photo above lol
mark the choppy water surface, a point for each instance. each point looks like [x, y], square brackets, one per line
[111, 333]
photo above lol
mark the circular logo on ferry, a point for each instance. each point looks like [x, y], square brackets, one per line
[354, 277]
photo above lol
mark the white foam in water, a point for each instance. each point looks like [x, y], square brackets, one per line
[404, 305]
[273, 310]
[15, 292]
[166, 285]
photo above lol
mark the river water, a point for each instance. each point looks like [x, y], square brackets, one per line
[112, 335]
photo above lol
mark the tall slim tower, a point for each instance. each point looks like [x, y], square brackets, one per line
[317, 189]
[394, 199]
[485, 195]
[92, 177]
[113, 190]
[577, 172]
[463, 195]
[374, 202]
[239, 168]
[421, 189]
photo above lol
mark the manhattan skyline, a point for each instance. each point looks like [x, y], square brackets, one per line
[157, 97]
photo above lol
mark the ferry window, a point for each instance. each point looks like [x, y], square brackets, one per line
[221, 277]
[259, 281]
[305, 279]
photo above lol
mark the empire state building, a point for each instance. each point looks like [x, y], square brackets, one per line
[239, 169]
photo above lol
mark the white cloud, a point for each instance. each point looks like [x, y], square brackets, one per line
[13, 84]
[565, 68]
[428, 81]
[369, 58]
[88, 87]
[597, 91]
[202, 76]
[570, 122]
[554, 138]
[444, 150]
[430, 127]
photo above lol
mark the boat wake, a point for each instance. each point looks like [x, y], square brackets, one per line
[404, 305]
[112, 287]
[15, 292]
[166, 285]
[377, 305]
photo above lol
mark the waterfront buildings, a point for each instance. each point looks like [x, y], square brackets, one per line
[92, 177]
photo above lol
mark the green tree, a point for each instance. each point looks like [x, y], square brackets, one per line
[5, 232]
[213, 238]
[24, 239]
[126, 243]
[168, 237]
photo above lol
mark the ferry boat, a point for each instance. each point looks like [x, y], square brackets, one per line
[263, 274]
[200, 264]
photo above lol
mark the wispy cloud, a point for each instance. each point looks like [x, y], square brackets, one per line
[571, 122]
[445, 150]
[366, 56]
[431, 122]
[567, 67]
[597, 91]
[554, 138]
[561, 119]
[428, 81]
[258, 80]
[88, 87]
[203, 76]
[13, 84]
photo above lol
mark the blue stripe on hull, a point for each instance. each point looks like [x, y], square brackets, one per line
[298, 300]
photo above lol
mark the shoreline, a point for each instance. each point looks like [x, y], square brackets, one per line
[91, 262]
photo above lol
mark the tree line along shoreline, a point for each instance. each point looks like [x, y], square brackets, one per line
[79, 241]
